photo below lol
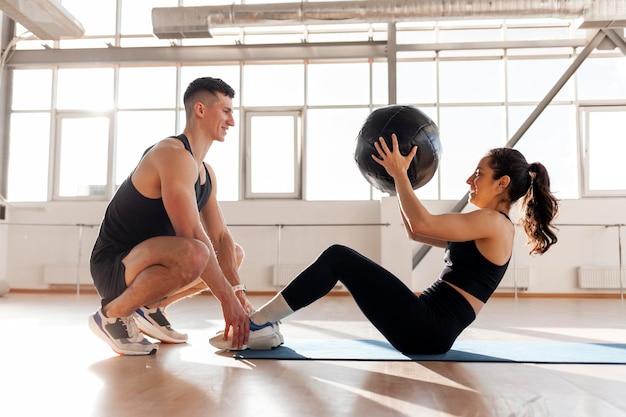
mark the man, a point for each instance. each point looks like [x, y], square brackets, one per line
[163, 237]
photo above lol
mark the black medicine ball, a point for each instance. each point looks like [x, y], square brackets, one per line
[412, 127]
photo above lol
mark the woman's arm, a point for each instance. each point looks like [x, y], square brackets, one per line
[457, 227]
[422, 239]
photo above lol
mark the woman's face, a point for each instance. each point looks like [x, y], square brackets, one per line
[482, 185]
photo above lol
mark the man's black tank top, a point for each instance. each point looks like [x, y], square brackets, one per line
[132, 218]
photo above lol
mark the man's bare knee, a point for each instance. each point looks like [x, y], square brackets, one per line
[195, 256]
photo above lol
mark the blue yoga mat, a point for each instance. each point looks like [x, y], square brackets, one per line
[462, 351]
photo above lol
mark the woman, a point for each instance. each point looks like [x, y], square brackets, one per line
[478, 249]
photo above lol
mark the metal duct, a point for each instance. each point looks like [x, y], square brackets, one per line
[46, 19]
[180, 22]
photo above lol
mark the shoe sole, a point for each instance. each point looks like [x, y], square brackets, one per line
[149, 329]
[93, 326]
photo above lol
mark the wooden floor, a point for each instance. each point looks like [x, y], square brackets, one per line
[52, 365]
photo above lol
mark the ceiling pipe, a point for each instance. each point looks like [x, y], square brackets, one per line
[182, 22]
[387, 11]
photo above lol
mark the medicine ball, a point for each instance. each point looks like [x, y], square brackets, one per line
[412, 127]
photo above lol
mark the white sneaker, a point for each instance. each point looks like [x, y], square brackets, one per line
[262, 337]
[121, 334]
[153, 322]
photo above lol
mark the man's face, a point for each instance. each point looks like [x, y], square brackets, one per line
[219, 117]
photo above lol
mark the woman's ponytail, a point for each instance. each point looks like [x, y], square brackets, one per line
[539, 208]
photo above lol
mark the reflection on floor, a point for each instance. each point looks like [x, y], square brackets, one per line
[51, 365]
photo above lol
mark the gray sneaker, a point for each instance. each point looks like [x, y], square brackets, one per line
[153, 322]
[121, 334]
[262, 337]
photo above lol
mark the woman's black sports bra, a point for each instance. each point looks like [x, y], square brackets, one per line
[469, 270]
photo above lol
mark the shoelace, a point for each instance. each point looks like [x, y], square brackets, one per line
[131, 327]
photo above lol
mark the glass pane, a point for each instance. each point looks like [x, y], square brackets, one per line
[380, 84]
[417, 82]
[29, 147]
[611, 84]
[147, 88]
[229, 73]
[358, 32]
[466, 134]
[331, 173]
[224, 159]
[563, 52]
[531, 80]
[144, 41]
[551, 140]
[606, 148]
[97, 17]
[86, 43]
[136, 131]
[83, 158]
[259, 85]
[137, 15]
[471, 81]
[470, 35]
[85, 89]
[415, 33]
[266, 35]
[537, 33]
[272, 154]
[338, 84]
[32, 89]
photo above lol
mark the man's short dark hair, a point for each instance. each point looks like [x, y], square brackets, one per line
[206, 85]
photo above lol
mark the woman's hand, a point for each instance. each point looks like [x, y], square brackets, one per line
[392, 160]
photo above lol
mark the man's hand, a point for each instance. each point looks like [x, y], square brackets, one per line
[245, 303]
[238, 319]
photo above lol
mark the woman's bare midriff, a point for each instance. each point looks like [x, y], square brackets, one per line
[476, 304]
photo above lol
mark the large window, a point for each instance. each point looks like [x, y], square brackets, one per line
[85, 125]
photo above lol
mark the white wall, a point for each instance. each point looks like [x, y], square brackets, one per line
[50, 234]
[34, 236]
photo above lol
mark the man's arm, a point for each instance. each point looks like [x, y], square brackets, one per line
[223, 242]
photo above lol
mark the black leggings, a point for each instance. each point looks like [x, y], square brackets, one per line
[424, 324]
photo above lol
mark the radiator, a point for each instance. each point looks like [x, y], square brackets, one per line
[516, 277]
[65, 274]
[285, 273]
[600, 277]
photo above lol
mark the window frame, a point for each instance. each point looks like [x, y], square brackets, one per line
[298, 157]
[584, 111]
[56, 155]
